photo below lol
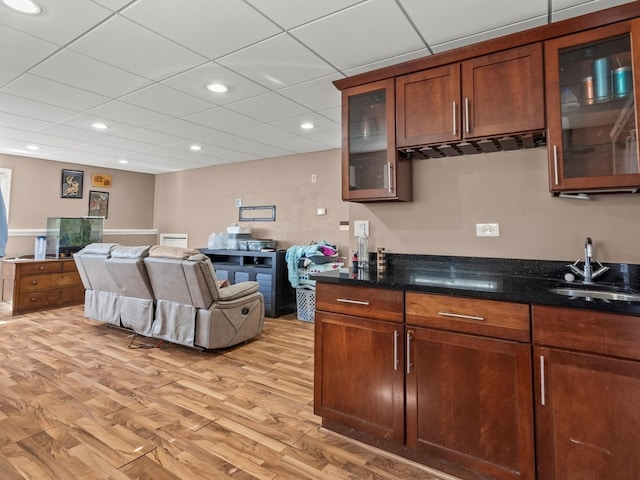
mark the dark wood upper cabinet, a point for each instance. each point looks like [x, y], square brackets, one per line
[371, 168]
[489, 96]
[591, 112]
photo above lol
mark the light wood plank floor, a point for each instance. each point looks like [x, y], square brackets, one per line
[77, 403]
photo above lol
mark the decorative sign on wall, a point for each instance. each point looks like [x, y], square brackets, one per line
[98, 204]
[262, 213]
[101, 180]
[72, 183]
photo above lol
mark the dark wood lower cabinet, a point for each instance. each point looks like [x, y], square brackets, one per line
[359, 382]
[469, 404]
[587, 377]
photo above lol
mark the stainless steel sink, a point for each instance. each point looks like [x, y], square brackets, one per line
[604, 294]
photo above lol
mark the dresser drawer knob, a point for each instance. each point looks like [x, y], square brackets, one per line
[34, 282]
[41, 268]
[33, 299]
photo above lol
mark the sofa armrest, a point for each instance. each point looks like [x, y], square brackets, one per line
[238, 290]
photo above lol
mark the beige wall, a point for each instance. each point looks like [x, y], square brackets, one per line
[451, 195]
[201, 202]
[35, 195]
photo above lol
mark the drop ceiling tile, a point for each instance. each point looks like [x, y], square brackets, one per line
[83, 72]
[223, 119]
[263, 133]
[195, 80]
[225, 140]
[333, 114]
[163, 99]
[184, 129]
[563, 9]
[77, 16]
[469, 17]
[268, 107]
[209, 27]
[33, 109]
[215, 152]
[300, 145]
[126, 144]
[123, 44]
[20, 122]
[292, 13]
[263, 151]
[30, 50]
[44, 141]
[292, 124]
[54, 93]
[83, 121]
[315, 95]
[367, 67]
[365, 33]
[278, 62]
[151, 136]
[113, 5]
[11, 133]
[99, 149]
[64, 131]
[127, 113]
[494, 33]
[330, 138]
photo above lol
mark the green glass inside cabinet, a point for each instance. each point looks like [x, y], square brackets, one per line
[368, 163]
[598, 111]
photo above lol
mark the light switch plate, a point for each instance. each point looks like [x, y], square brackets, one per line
[357, 226]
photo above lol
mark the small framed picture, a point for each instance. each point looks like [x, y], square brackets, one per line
[101, 180]
[72, 183]
[98, 204]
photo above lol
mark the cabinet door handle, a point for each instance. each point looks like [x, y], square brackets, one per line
[455, 126]
[396, 361]
[409, 337]
[357, 302]
[555, 162]
[460, 315]
[543, 393]
[389, 172]
[466, 115]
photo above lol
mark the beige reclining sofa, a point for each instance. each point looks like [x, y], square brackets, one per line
[168, 293]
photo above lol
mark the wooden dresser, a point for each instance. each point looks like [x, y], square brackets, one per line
[31, 285]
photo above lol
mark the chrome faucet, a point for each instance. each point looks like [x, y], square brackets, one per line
[587, 273]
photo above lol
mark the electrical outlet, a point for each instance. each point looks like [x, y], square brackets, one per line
[487, 229]
[313, 178]
[238, 202]
[357, 227]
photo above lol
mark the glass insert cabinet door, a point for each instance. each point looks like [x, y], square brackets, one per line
[368, 113]
[591, 102]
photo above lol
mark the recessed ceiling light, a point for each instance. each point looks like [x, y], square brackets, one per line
[307, 125]
[33, 147]
[23, 6]
[195, 148]
[99, 125]
[217, 88]
[123, 161]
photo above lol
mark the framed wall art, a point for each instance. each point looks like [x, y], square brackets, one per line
[101, 180]
[72, 183]
[98, 204]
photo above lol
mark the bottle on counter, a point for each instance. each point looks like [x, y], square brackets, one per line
[363, 248]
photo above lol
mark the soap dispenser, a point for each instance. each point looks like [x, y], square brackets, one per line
[363, 248]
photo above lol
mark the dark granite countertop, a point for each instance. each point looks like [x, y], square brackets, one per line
[512, 280]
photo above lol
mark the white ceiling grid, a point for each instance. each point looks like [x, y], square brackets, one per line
[141, 67]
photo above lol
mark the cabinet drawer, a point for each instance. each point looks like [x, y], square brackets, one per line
[41, 299]
[40, 267]
[40, 282]
[373, 303]
[482, 317]
[587, 330]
